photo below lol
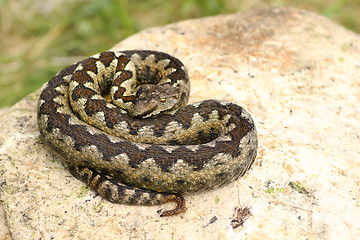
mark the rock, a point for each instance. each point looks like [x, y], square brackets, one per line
[295, 71]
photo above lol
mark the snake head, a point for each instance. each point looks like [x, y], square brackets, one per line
[154, 99]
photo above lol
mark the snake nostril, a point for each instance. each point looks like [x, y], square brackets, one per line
[180, 181]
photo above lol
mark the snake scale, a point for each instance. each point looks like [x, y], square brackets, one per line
[121, 123]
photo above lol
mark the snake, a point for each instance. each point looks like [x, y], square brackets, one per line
[121, 123]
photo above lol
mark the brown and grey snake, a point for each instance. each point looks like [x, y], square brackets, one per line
[121, 123]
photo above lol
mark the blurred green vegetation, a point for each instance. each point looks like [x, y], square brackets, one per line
[40, 37]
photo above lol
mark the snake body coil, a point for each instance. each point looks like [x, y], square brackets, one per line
[119, 120]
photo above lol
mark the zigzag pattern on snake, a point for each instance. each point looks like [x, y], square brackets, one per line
[121, 123]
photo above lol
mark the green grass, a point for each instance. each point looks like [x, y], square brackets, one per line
[40, 37]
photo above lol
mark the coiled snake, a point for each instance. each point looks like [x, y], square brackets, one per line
[152, 148]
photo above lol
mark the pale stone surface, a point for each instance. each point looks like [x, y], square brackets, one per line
[296, 72]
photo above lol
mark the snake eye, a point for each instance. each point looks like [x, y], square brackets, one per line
[162, 100]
